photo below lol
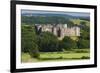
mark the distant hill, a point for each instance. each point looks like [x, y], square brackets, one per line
[58, 15]
[39, 18]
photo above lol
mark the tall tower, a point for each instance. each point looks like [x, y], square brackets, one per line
[54, 30]
[77, 31]
[65, 26]
[64, 30]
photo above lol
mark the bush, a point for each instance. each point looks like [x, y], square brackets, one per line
[83, 43]
[67, 43]
[47, 42]
[34, 53]
[85, 57]
[60, 57]
[28, 38]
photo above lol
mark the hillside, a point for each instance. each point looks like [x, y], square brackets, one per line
[52, 19]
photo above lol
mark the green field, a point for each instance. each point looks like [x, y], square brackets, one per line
[78, 22]
[58, 56]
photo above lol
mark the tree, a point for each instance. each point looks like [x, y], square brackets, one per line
[28, 40]
[85, 31]
[83, 23]
[68, 43]
[70, 23]
[34, 52]
[47, 42]
[82, 43]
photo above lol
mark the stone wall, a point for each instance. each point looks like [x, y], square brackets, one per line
[60, 30]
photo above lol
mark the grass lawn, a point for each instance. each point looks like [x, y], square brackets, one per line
[63, 55]
[25, 57]
[58, 56]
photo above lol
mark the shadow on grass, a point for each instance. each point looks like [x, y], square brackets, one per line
[61, 58]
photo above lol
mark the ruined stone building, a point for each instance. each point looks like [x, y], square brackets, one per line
[60, 30]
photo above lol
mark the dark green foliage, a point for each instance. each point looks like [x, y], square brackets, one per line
[85, 57]
[82, 43]
[28, 40]
[46, 20]
[83, 23]
[48, 42]
[34, 52]
[84, 39]
[68, 43]
[26, 37]
[85, 35]
[70, 24]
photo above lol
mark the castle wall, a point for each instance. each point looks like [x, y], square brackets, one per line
[60, 30]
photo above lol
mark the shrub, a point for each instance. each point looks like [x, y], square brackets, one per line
[85, 57]
[34, 53]
[83, 43]
[60, 57]
[28, 38]
[47, 42]
[67, 43]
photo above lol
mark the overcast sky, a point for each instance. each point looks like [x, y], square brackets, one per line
[54, 12]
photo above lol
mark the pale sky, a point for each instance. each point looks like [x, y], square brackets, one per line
[54, 12]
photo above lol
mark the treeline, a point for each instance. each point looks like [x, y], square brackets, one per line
[34, 43]
[46, 20]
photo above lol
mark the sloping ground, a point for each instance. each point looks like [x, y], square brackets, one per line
[57, 56]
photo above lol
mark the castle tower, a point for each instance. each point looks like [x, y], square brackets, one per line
[77, 31]
[65, 26]
[54, 31]
[64, 30]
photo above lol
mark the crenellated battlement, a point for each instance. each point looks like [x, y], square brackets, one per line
[60, 30]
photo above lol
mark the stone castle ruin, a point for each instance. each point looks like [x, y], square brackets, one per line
[59, 30]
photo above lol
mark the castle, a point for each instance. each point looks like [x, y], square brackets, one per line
[59, 30]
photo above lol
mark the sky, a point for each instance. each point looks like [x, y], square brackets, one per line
[54, 12]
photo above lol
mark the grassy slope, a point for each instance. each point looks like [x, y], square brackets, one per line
[77, 21]
[25, 57]
[53, 56]
[64, 55]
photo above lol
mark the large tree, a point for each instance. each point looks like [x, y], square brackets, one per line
[83, 43]
[47, 42]
[67, 43]
[28, 40]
